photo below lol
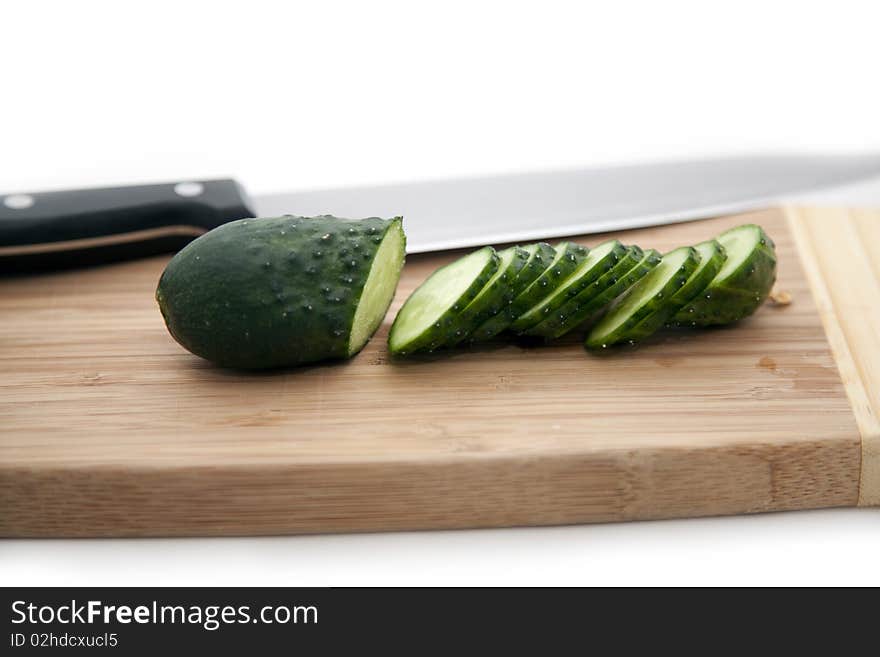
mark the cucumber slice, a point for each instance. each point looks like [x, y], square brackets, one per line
[567, 317]
[599, 261]
[541, 255]
[712, 258]
[598, 304]
[742, 284]
[631, 268]
[495, 296]
[645, 298]
[425, 318]
[568, 256]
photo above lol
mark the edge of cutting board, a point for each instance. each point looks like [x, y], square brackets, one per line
[840, 253]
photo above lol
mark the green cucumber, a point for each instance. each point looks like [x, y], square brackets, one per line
[596, 297]
[566, 318]
[425, 321]
[712, 258]
[495, 295]
[597, 304]
[648, 296]
[742, 284]
[567, 258]
[259, 293]
[599, 261]
[541, 255]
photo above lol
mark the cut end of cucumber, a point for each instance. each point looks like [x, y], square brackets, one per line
[708, 250]
[712, 258]
[436, 299]
[379, 287]
[739, 243]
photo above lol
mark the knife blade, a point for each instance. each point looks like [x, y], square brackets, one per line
[88, 226]
[447, 214]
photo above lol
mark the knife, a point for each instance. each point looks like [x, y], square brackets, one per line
[58, 229]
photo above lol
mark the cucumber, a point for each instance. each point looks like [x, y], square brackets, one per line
[596, 297]
[541, 255]
[568, 257]
[273, 292]
[599, 261]
[425, 321]
[742, 284]
[712, 258]
[648, 296]
[495, 295]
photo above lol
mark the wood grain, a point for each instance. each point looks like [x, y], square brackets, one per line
[109, 428]
[841, 249]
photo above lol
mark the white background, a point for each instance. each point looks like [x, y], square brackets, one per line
[290, 95]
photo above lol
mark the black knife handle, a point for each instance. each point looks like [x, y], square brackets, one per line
[53, 230]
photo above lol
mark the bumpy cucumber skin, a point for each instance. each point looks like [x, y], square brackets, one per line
[273, 292]
[710, 264]
[552, 302]
[536, 265]
[689, 288]
[541, 255]
[635, 328]
[491, 300]
[601, 302]
[572, 255]
[704, 274]
[738, 296]
[594, 299]
[442, 331]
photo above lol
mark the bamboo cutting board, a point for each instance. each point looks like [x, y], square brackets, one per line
[109, 428]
